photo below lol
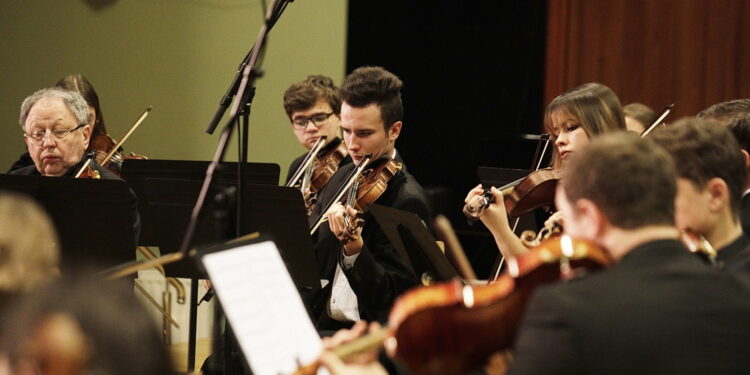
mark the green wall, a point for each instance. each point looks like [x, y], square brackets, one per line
[178, 56]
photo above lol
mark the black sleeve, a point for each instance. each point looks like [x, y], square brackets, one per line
[546, 342]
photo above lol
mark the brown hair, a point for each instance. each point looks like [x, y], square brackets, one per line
[372, 84]
[640, 112]
[724, 111]
[630, 179]
[81, 85]
[304, 94]
[703, 150]
[595, 106]
[740, 128]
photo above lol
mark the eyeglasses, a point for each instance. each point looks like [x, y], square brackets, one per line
[318, 119]
[39, 135]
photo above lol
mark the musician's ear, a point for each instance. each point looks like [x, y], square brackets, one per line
[86, 131]
[746, 157]
[394, 131]
[592, 221]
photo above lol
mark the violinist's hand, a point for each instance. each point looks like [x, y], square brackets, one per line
[362, 364]
[472, 201]
[351, 236]
[555, 219]
[495, 218]
[498, 363]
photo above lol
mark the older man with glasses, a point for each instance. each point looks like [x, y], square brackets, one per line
[56, 131]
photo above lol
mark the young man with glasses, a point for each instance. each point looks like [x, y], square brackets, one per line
[313, 106]
[362, 272]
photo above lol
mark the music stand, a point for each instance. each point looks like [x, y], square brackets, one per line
[93, 218]
[414, 243]
[136, 171]
[498, 177]
[276, 210]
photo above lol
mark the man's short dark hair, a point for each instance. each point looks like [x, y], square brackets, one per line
[304, 94]
[372, 84]
[630, 179]
[724, 112]
[703, 150]
[740, 128]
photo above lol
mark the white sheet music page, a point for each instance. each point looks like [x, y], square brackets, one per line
[264, 308]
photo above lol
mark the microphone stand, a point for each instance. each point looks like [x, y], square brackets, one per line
[243, 94]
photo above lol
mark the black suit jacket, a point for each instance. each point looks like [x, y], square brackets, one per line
[105, 174]
[660, 310]
[379, 274]
[745, 214]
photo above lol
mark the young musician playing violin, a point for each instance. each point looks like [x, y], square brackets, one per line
[361, 271]
[314, 108]
[572, 119]
[710, 183]
[659, 309]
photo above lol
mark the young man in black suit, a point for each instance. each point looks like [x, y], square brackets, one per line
[659, 309]
[710, 183]
[361, 271]
[740, 128]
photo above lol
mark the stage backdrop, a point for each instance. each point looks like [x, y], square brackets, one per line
[689, 52]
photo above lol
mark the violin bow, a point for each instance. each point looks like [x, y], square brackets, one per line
[340, 194]
[307, 160]
[658, 120]
[125, 137]
[444, 230]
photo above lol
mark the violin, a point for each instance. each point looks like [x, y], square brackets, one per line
[521, 196]
[327, 163]
[87, 170]
[450, 328]
[108, 153]
[318, 166]
[697, 244]
[103, 144]
[367, 188]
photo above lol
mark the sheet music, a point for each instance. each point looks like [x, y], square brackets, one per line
[264, 308]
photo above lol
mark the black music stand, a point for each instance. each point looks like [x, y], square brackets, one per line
[276, 210]
[498, 177]
[93, 218]
[415, 244]
[136, 171]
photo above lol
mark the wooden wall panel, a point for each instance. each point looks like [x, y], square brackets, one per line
[691, 52]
